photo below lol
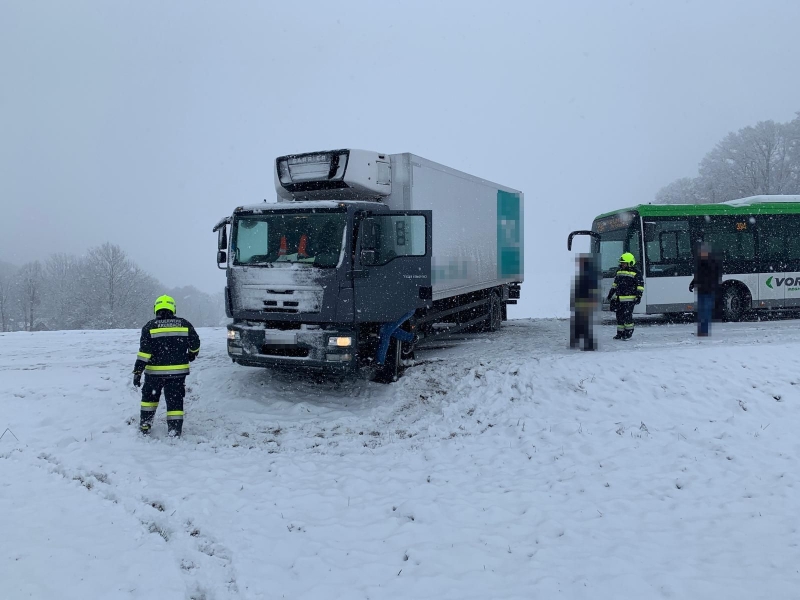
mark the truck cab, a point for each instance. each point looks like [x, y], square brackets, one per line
[316, 280]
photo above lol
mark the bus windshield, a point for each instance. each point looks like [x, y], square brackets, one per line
[312, 238]
[618, 234]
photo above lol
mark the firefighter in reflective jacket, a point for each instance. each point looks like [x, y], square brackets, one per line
[628, 288]
[167, 346]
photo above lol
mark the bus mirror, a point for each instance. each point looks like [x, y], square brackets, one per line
[222, 257]
[222, 239]
[649, 232]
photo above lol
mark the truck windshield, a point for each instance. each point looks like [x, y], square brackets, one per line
[312, 238]
[618, 233]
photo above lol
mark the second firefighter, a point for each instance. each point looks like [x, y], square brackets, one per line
[625, 293]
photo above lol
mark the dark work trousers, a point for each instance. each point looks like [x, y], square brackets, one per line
[625, 319]
[581, 328]
[174, 390]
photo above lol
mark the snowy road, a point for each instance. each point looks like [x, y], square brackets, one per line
[503, 466]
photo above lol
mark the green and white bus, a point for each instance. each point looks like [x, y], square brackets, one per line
[758, 239]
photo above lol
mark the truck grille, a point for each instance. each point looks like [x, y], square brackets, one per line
[288, 351]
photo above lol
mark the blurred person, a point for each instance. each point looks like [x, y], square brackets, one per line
[625, 293]
[707, 280]
[166, 347]
[584, 301]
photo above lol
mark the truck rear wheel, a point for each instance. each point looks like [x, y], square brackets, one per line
[495, 310]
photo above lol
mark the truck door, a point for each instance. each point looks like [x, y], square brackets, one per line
[392, 265]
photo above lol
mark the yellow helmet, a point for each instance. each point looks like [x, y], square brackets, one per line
[164, 303]
[628, 259]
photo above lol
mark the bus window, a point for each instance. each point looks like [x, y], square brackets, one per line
[734, 239]
[778, 244]
[618, 234]
[668, 248]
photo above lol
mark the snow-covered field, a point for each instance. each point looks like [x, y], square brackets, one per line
[504, 466]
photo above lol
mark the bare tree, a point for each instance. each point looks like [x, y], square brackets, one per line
[118, 290]
[61, 291]
[203, 310]
[5, 301]
[29, 281]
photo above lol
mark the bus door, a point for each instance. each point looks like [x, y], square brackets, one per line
[669, 264]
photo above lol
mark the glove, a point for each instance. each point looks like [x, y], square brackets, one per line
[691, 287]
[137, 379]
[638, 300]
[192, 356]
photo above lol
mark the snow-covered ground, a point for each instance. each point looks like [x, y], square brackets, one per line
[504, 466]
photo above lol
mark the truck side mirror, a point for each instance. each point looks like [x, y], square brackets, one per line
[222, 257]
[369, 234]
[368, 257]
[222, 239]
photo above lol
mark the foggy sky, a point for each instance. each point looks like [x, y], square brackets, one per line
[143, 123]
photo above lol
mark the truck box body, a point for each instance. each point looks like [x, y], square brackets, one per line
[477, 224]
[365, 251]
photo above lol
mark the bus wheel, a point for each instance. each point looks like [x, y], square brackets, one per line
[733, 304]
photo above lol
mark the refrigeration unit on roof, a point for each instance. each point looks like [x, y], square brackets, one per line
[333, 174]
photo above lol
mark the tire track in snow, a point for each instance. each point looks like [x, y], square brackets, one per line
[205, 563]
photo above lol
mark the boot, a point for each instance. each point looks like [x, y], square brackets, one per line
[174, 428]
[620, 336]
[146, 421]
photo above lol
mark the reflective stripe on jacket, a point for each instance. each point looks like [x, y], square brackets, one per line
[165, 346]
[628, 285]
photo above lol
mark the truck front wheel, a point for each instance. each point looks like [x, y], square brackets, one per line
[389, 372]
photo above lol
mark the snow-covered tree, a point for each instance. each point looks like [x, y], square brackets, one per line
[760, 160]
[680, 191]
[753, 161]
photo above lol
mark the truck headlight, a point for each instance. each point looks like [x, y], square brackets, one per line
[340, 342]
[233, 335]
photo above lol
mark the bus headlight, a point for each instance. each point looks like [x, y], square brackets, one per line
[340, 342]
[233, 335]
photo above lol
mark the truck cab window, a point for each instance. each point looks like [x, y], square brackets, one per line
[385, 237]
[313, 238]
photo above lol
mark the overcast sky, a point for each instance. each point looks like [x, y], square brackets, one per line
[143, 123]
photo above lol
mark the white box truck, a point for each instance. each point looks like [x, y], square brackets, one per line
[365, 256]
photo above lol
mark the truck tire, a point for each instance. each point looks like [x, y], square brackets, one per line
[495, 313]
[390, 371]
[733, 303]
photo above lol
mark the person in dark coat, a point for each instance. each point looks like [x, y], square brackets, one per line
[707, 280]
[584, 303]
[625, 293]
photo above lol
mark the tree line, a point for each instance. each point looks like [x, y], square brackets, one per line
[104, 289]
[760, 160]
